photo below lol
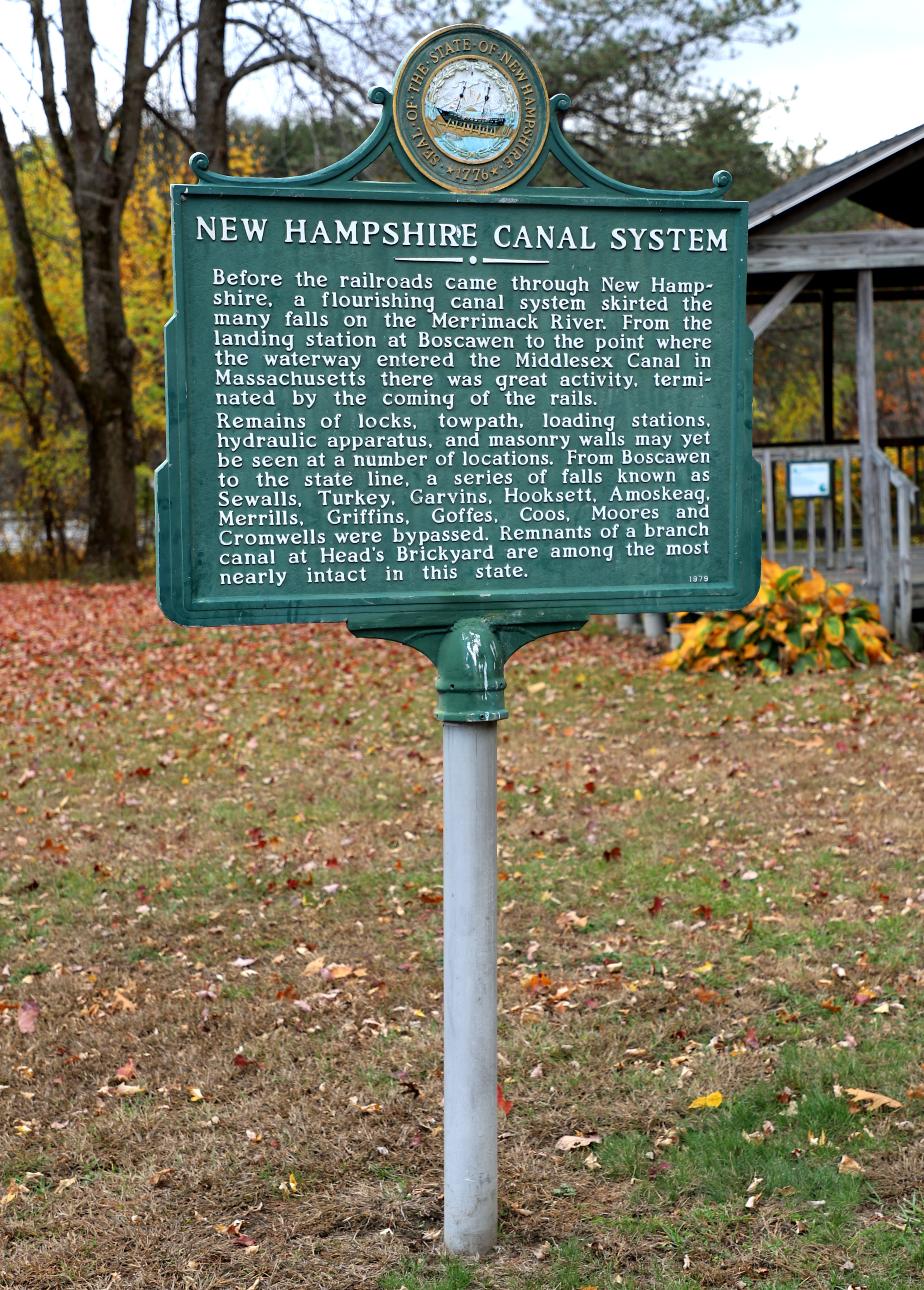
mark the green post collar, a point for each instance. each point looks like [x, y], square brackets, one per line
[469, 656]
[470, 673]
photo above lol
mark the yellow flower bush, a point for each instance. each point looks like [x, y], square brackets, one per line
[797, 622]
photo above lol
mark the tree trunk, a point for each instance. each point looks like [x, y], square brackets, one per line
[111, 440]
[212, 84]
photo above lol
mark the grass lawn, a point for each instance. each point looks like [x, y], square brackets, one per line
[220, 955]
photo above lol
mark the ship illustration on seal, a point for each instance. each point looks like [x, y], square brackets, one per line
[471, 110]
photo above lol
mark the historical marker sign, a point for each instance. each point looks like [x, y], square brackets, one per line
[404, 403]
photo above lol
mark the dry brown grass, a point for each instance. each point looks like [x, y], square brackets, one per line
[190, 790]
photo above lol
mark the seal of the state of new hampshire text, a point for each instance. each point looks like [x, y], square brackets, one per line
[471, 109]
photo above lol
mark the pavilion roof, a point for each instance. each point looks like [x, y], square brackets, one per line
[887, 178]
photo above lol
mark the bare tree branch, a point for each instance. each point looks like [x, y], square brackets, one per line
[49, 93]
[134, 86]
[28, 278]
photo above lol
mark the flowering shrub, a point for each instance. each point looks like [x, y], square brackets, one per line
[797, 622]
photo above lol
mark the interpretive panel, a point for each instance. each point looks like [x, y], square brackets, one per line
[421, 405]
[810, 479]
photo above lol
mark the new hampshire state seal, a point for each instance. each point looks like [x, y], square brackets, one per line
[471, 109]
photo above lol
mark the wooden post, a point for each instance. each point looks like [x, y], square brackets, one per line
[886, 580]
[654, 626]
[847, 491]
[790, 532]
[866, 419]
[828, 508]
[903, 619]
[827, 363]
[770, 504]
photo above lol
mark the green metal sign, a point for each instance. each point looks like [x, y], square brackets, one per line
[466, 395]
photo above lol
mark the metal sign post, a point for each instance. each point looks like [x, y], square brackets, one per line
[470, 987]
[470, 682]
[462, 412]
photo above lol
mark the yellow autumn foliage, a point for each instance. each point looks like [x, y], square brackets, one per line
[797, 622]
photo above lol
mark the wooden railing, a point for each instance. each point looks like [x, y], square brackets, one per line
[907, 454]
[866, 522]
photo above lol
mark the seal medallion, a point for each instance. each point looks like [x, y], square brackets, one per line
[471, 109]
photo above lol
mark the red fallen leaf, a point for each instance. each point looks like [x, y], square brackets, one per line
[27, 1016]
[141, 772]
[725, 884]
[243, 1239]
[590, 787]
[704, 912]
[705, 995]
[430, 897]
[287, 992]
[332, 863]
[750, 1038]
[538, 981]
[660, 1167]
[656, 906]
[243, 1063]
[127, 1070]
[612, 853]
[504, 1104]
[863, 996]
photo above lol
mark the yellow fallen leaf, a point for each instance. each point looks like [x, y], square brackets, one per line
[638, 794]
[847, 1165]
[573, 1141]
[709, 1099]
[129, 1090]
[703, 968]
[571, 919]
[195, 1094]
[13, 1191]
[293, 1184]
[861, 1098]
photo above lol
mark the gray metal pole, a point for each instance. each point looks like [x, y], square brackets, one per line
[470, 986]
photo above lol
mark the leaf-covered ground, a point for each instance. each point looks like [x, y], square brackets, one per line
[220, 1000]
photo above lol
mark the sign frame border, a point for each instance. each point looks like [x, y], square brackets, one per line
[515, 607]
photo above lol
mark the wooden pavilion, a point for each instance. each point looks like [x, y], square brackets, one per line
[868, 519]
